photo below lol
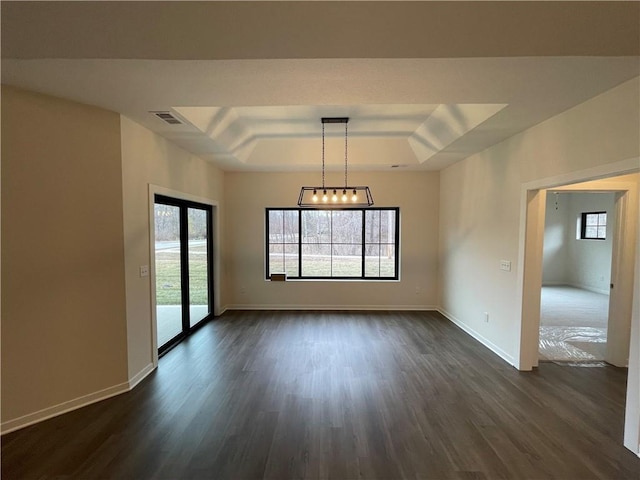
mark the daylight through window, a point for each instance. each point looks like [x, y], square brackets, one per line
[593, 226]
[333, 243]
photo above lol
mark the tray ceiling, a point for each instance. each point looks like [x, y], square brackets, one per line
[425, 84]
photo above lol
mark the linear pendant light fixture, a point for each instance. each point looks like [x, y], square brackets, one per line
[342, 196]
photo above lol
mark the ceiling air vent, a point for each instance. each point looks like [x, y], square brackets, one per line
[167, 117]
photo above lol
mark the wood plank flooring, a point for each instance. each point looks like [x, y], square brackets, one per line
[340, 395]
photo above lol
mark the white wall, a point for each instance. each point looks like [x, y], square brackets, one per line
[480, 213]
[148, 159]
[556, 238]
[568, 260]
[479, 219]
[589, 261]
[247, 195]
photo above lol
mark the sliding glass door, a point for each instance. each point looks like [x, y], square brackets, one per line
[168, 272]
[183, 267]
[198, 257]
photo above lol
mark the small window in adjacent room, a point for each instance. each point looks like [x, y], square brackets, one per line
[593, 226]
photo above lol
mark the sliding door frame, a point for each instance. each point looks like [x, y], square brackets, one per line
[213, 253]
[188, 327]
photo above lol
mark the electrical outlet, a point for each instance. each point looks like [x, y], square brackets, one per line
[144, 270]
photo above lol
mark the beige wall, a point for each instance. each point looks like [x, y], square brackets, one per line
[63, 295]
[247, 195]
[148, 159]
[480, 211]
[76, 315]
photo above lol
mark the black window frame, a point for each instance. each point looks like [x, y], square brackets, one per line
[300, 243]
[583, 225]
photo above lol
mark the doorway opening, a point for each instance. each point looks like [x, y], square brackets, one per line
[183, 246]
[622, 179]
[576, 275]
[625, 212]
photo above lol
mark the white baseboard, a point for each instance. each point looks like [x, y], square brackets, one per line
[589, 288]
[141, 375]
[418, 308]
[64, 407]
[487, 343]
[76, 403]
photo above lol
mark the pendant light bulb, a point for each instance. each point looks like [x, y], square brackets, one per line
[315, 195]
[334, 198]
[344, 195]
[324, 196]
[354, 198]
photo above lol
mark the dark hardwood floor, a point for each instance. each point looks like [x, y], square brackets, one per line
[345, 395]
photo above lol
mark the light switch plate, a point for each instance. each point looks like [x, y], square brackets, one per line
[144, 270]
[505, 265]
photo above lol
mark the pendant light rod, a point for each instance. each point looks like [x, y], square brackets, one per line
[344, 120]
[323, 155]
[345, 156]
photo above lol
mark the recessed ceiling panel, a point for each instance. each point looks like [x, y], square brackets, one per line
[291, 136]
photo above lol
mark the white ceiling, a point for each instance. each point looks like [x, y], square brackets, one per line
[263, 113]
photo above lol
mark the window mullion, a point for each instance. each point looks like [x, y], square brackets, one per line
[284, 235]
[331, 242]
[364, 243]
[299, 243]
[380, 243]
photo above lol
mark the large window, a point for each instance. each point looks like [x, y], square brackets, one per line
[333, 243]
